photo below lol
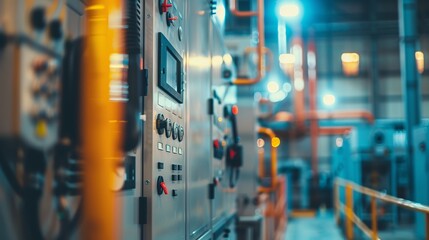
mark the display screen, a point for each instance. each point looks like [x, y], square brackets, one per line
[172, 77]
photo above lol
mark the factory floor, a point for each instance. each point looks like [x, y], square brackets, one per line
[323, 227]
[320, 227]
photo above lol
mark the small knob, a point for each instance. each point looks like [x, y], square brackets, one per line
[164, 188]
[160, 123]
[175, 133]
[168, 127]
[55, 30]
[164, 6]
[181, 133]
[37, 18]
[171, 18]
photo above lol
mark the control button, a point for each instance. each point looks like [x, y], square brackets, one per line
[161, 186]
[181, 133]
[173, 178]
[167, 148]
[174, 193]
[179, 177]
[160, 123]
[180, 33]
[164, 5]
[37, 18]
[168, 127]
[179, 167]
[180, 151]
[160, 165]
[174, 167]
[55, 30]
[175, 150]
[175, 133]
[171, 18]
[160, 146]
[41, 129]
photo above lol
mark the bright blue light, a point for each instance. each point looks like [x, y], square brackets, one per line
[290, 10]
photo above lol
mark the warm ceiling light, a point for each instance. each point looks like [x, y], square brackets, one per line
[273, 87]
[287, 58]
[420, 60]
[350, 62]
[289, 10]
[328, 99]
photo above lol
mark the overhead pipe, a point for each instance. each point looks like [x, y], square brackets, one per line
[261, 43]
[270, 133]
[359, 114]
[333, 130]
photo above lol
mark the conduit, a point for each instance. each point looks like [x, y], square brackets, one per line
[270, 133]
[261, 43]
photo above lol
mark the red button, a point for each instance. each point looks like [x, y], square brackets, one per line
[216, 143]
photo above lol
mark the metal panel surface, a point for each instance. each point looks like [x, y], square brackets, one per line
[198, 119]
[165, 213]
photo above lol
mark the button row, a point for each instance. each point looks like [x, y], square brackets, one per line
[169, 148]
[170, 128]
[174, 167]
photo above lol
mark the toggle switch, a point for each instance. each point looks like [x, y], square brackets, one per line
[161, 186]
[164, 5]
[170, 19]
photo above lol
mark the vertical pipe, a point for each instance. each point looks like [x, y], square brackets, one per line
[349, 212]
[409, 74]
[100, 125]
[374, 218]
[312, 86]
[374, 60]
[427, 225]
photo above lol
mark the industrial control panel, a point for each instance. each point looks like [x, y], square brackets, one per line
[32, 40]
[164, 149]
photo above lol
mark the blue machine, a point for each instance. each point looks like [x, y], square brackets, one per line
[421, 175]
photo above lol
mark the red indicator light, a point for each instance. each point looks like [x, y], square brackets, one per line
[234, 110]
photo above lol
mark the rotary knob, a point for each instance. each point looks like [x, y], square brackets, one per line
[175, 133]
[160, 123]
[168, 127]
[181, 133]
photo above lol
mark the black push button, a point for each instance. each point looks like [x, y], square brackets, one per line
[160, 165]
[179, 167]
[179, 177]
[174, 167]
[173, 177]
[174, 193]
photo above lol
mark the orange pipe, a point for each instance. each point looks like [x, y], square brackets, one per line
[238, 13]
[369, 117]
[270, 133]
[333, 130]
[298, 75]
[101, 139]
[261, 43]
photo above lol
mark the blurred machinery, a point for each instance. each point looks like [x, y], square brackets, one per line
[375, 157]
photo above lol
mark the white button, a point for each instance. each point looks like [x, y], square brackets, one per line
[161, 100]
[167, 148]
[180, 151]
[175, 150]
[160, 146]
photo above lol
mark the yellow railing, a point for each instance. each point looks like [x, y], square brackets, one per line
[352, 219]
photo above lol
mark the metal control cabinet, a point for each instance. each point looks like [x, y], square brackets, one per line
[223, 95]
[164, 163]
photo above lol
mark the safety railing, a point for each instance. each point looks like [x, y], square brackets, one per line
[352, 219]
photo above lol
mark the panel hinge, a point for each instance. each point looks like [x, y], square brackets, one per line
[142, 210]
[210, 106]
[212, 187]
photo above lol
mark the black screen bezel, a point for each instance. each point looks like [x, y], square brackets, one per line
[165, 47]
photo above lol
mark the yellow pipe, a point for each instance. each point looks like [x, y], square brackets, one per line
[349, 212]
[374, 229]
[100, 138]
